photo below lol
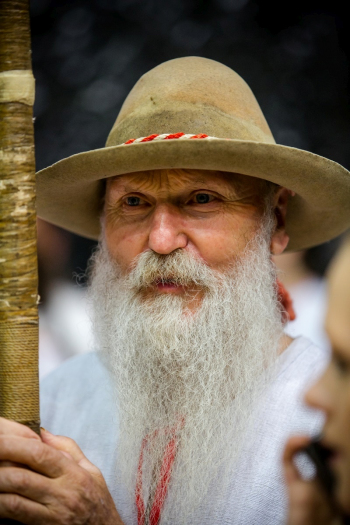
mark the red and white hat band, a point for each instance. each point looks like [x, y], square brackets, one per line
[168, 136]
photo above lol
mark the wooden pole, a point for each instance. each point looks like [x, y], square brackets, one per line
[19, 383]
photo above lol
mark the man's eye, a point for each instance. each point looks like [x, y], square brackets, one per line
[133, 201]
[203, 198]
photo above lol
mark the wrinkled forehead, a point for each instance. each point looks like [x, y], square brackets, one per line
[177, 179]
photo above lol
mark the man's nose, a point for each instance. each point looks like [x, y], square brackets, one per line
[166, 233]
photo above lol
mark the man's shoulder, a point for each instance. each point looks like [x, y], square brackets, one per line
[80, 386]
[81, 370]
[303, 359]
[300, 365]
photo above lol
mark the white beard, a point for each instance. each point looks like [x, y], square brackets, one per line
[200, 372]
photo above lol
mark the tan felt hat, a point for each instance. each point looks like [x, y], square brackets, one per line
[186, 98]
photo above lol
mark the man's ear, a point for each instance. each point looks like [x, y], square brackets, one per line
[280, 239]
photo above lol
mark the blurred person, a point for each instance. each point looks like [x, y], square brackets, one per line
[309, 297]
[64, 325]
[308, 502]
[185, 409]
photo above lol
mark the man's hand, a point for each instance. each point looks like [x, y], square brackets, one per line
[308, 503]
[49, 481]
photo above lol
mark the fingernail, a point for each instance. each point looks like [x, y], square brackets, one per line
[44, 430]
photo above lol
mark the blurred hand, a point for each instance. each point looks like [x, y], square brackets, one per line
[308, 502]
[49, 481]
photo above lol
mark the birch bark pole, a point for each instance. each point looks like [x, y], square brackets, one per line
[19, 383]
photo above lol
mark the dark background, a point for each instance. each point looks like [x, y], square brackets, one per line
[87, 55]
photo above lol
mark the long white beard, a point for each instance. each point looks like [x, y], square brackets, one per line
[199, 373]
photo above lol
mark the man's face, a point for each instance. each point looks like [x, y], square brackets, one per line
[332, 392]
[209, 214]
[178, 241]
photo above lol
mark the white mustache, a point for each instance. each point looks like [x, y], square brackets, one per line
[180, 268]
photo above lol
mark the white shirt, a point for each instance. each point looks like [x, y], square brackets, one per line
[77, 401]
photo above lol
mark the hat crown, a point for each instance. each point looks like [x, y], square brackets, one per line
[191, 95]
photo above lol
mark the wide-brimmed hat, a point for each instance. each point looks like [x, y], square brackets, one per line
[196, 113]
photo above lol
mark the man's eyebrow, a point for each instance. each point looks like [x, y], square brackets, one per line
[229, 184]
[232, 186]
[123, 186]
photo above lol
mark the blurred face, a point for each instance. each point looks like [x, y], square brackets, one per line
[211, 215]
[332, 392]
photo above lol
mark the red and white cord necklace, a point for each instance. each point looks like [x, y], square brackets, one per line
[162, 486]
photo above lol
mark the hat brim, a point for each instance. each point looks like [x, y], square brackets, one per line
[69, 193]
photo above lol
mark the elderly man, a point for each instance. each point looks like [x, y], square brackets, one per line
[182, 414]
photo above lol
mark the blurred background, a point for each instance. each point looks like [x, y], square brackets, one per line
[87, 55]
